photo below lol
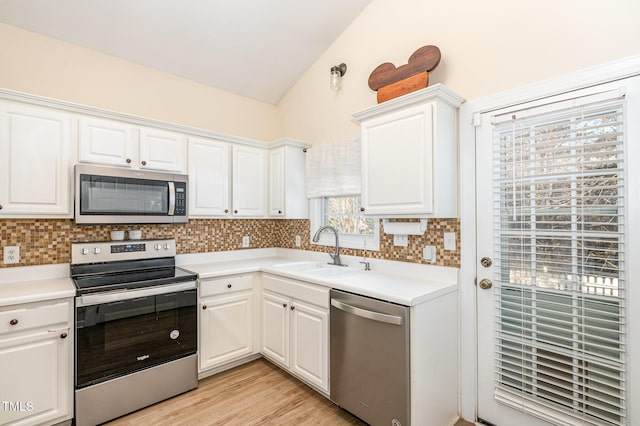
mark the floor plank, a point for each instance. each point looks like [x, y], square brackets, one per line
[257, 393]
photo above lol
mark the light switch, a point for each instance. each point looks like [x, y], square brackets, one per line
[11, 255]
[245, 241]
[449, 240]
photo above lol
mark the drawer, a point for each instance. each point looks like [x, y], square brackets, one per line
[26, 317]
[298, 290]
[224, 285]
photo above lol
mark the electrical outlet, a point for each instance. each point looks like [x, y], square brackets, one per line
[400, 240]
[245, 241]
[298, 240]
[429, 253]
[11, 255]
[449, 240]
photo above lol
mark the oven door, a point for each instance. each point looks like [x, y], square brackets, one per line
[108, 195]
[122, 332]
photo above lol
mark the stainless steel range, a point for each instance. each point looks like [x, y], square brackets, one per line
[136, 327]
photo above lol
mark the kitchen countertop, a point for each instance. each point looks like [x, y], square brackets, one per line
[398, 282]
[26, 284]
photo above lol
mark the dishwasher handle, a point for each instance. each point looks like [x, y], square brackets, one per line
[364, 313]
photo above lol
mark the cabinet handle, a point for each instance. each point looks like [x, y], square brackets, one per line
[144, 163]
[63, 335]
[204, 306]
[13, 321]
[284, 305]
[228, 285]
[128, 160]
[361, 209]
[292, 307]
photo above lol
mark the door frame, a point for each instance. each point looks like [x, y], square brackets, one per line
[470, 117]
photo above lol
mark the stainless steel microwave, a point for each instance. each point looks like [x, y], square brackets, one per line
[105, 195]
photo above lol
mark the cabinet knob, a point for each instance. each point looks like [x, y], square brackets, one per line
[144, 163]
[0, 206]
[361, 209]
[204, 306]
[235, 211]
[13, 321]
[128, 160]
[284, 305]
[228, 285]
[63, 335]
[292, 307]
[226, 210]
[279, 211]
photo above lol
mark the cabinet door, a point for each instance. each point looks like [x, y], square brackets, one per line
[249, 181]
[36, 385]
[276, 182]
[397, 162]
[162, 150]
[226, 329]
[35, 167]
[209, 178]
[275, 328]
[310, 344]
[105, 142]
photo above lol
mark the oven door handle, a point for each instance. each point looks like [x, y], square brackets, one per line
[119, 295]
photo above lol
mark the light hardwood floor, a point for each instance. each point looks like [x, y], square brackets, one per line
[257, 393]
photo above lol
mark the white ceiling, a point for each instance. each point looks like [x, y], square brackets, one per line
[254, 48]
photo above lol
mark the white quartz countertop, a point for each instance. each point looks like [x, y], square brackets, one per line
[28, 284]
[398, 282]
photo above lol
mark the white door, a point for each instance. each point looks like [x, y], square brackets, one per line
[249, 181]
[209, 182]
[105, 142]
[310, 344]
[162, 150]
[275, 328]
[554, 196]
[35, 166]
[227, 329]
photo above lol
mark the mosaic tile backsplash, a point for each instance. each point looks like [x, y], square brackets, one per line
[48, 241]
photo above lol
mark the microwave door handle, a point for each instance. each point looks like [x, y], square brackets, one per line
[172, 198]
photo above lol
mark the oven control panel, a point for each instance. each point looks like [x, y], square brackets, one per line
[109, 251]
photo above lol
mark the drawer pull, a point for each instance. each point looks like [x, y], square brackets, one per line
[63, 335]
[204, 306]
[228, 285]
[13, 321]
[284, 305]
[292, 307]
[144, 163]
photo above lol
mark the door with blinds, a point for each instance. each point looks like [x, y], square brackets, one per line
[552, 267]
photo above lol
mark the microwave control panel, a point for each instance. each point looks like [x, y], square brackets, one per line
[181, 199]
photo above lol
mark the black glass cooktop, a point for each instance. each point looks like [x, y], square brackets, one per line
[127, 275]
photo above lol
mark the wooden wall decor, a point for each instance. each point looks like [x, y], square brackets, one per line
[391, 82]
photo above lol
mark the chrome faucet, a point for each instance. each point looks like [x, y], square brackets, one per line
[336, 255]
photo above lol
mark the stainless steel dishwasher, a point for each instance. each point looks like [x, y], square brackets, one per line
[369, 358]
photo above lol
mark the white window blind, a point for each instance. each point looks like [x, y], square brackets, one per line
[559, 255]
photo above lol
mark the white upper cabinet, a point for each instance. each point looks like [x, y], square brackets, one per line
[106, 142]
[409, 155]
[287, 189]
[162, 150]
[209, 178]
[35, 161]
[249, 183]
[118, 143]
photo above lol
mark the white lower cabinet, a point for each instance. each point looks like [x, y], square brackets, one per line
[226, 320]
[36, 363]
[295, 328]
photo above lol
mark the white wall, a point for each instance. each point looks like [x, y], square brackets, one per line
[43, 66]
[487, 47]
